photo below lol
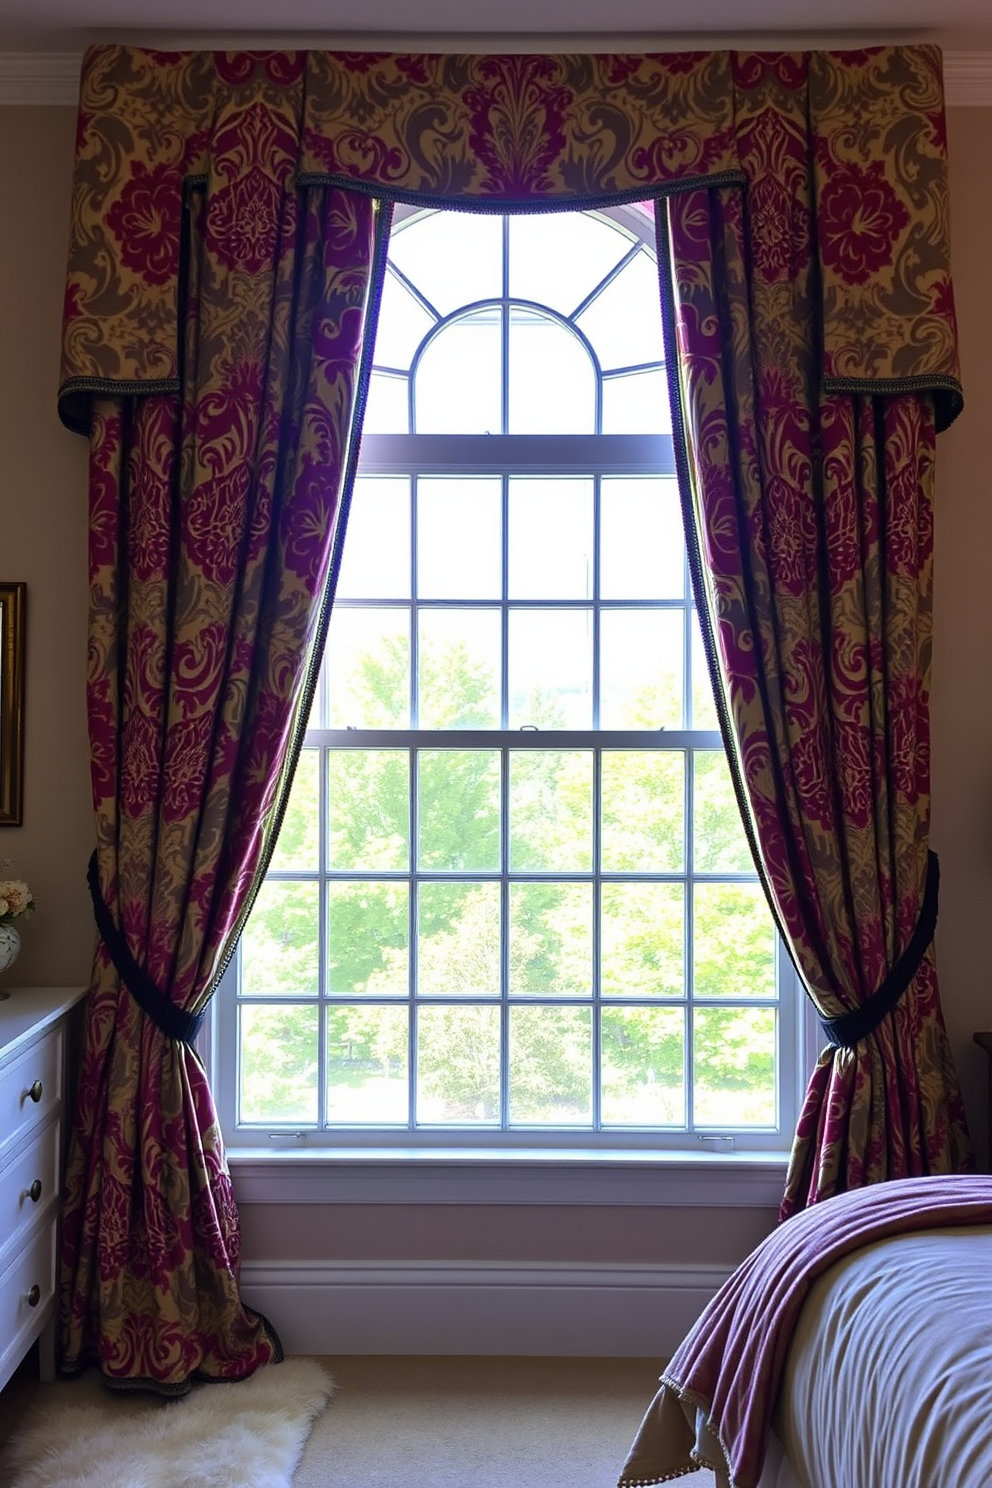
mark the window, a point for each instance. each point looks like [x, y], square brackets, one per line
[512, 902]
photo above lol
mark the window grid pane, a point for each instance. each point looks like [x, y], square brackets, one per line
[453, 960]
[622, 943]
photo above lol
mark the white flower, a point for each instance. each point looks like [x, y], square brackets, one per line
[15, 898]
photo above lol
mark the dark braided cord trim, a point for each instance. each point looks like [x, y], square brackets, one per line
[850, 1028]
[169, 1019]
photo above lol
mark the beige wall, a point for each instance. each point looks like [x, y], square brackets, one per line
[43, 541]
[962, 667]
[449, 1232]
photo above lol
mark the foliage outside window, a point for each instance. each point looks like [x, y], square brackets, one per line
[512, 894]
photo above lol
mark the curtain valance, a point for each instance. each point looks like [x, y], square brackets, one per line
[496, 132]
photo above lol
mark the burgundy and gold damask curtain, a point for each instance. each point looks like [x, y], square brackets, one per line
[226, 212]
[215, 491]
[810, 440]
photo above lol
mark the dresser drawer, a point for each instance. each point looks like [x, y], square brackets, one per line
[35, 1072]
[36, 1032]
[23, 1312]
[28, 1184]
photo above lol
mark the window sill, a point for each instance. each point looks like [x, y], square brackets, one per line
[488, 1176]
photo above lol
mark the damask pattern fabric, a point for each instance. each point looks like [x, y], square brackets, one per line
[213, 515]
[227, 216]
[878, 153]
[511, 130]
[814, 516]
[524, 132]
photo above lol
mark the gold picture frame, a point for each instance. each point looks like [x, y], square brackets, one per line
[12, 607]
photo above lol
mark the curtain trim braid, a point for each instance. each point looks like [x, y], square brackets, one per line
[948, 395]
[848, 1029]
[680, 443]
[309, 685]
[169, 1019]
[577, 201]
[517, 132]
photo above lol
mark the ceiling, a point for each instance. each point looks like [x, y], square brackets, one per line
[68, 25]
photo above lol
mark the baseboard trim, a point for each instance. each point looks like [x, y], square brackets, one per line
[461, 1307]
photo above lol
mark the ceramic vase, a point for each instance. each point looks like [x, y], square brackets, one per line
[10, 944]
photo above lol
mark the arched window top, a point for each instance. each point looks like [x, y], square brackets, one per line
[505, 366]
[535, 325]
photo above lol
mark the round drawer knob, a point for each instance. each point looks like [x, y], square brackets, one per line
[34, 1295]
[37, 1091]
[34, 1192]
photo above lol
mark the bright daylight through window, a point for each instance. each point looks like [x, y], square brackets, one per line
[512, 900]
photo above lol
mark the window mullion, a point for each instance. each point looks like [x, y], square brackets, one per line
[413, 919]
[596, 612]
[606, 280]
[504, 970]
[504, 702]
[412, 289]
[689, 807]
[504, 1011]
[323, 926]
[414, 606]
[597, 1015]
[689, 838]
[413, 779]
[597, 932]
[644, 810]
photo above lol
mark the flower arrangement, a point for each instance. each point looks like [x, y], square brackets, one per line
[16, 898]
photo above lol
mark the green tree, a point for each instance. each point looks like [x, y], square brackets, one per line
[550, 930]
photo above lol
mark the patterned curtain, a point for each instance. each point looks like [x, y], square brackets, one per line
[213, 513]
[809, 501]
[228, 230]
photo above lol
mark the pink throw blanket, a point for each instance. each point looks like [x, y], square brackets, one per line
[730, 1363]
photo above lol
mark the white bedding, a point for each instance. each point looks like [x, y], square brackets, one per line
[888, 1380]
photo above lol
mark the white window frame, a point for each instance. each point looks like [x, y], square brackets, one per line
[533, 1165]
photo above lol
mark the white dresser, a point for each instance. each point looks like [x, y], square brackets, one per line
[33, 1071]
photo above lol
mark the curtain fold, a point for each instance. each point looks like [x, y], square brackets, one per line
[229, 222]
[213, 519]
[811, 514]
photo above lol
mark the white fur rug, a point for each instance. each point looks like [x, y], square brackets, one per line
[249, 1434]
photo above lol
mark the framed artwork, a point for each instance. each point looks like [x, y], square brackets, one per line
[12, 607]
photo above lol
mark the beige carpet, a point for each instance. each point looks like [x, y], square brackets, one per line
[479, 1423]
[449, 1422]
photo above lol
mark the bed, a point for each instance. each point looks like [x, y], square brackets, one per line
[852, 1349]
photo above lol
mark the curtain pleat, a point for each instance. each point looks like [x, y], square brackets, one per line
[810, 516]
[225, 265]
[214, 515]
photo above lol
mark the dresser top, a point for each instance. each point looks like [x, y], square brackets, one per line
[29, 1010]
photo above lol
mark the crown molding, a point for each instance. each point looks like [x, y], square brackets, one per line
[968, 79]
[46, 78]
[40, 77]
